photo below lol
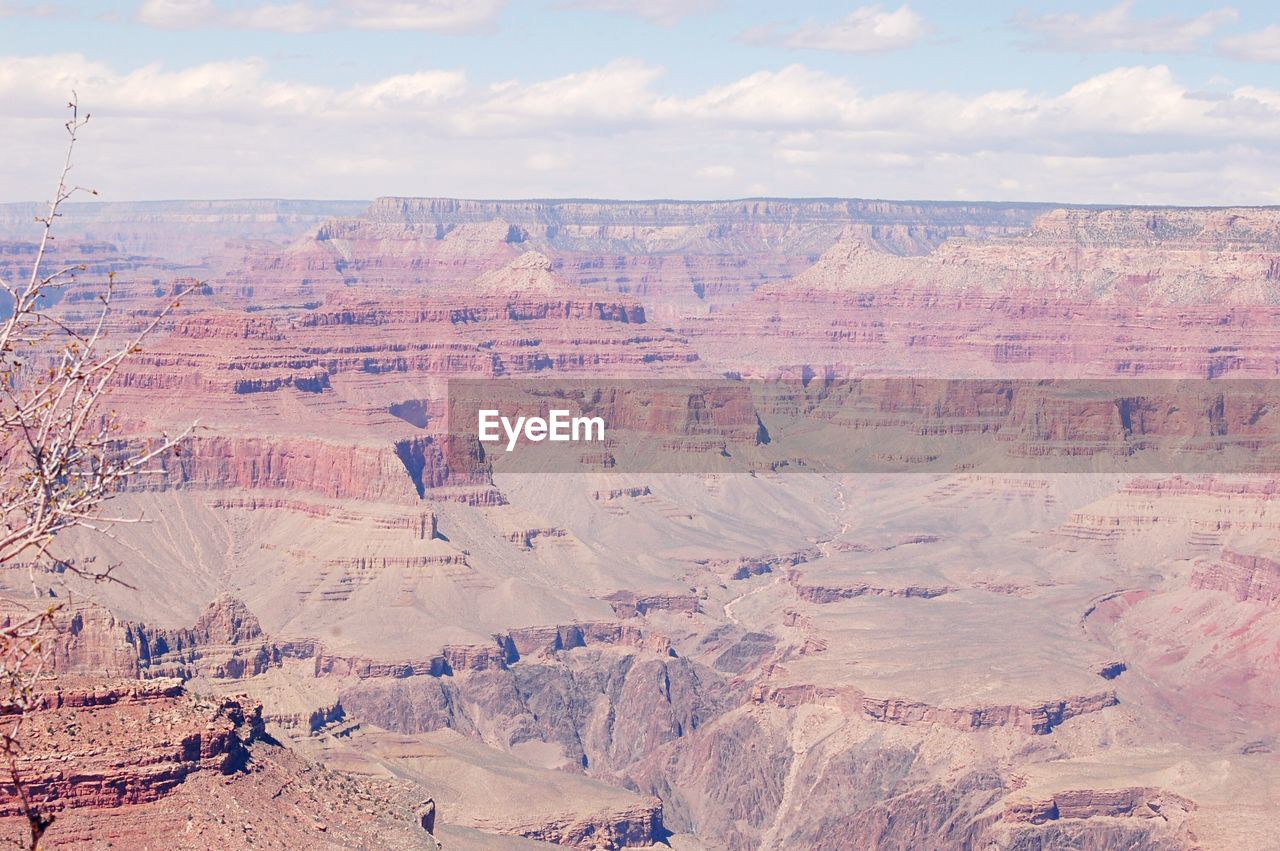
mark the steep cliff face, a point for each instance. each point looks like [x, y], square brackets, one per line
[345, 399]
[602, 709]
[393, 472]
[226, 641]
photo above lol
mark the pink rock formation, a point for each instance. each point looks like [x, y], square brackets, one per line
[1245, 576]
[765, 661]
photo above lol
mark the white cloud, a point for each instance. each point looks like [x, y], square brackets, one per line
[425, 88]
[452, 16]
[594, 101]
[287, 18]
[434, 15]
[717, 172]
[867, 29]
[236, 128]
[548, 161]
[236, 91]
[799, 156]
[795, 96]
[662, 12]
[176, 14]
[1259, 46]
[1116, 29]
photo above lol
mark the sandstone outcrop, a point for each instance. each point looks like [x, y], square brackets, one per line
[628, 604]
[638, 826]
[1139, 802]
[109, 743]
[830, 594]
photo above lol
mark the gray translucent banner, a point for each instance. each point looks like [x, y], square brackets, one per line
[890, 425]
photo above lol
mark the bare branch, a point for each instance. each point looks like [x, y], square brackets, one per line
[61, 456]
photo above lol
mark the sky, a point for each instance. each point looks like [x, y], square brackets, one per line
[1136, 102]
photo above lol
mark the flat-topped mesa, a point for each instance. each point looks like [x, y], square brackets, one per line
[464, 313]
[525, 538]
[218, 353]
[78, 693]
[516, 319]
[839, 212]
[1143, 802]
[850, 327]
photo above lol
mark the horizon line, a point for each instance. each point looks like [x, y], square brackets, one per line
[570, 199]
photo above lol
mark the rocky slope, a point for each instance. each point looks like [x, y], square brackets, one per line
[117, 762]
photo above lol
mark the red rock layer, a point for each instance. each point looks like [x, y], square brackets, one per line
[391, 472]
[116, 743]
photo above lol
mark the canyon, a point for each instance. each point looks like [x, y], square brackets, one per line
[348, 625]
